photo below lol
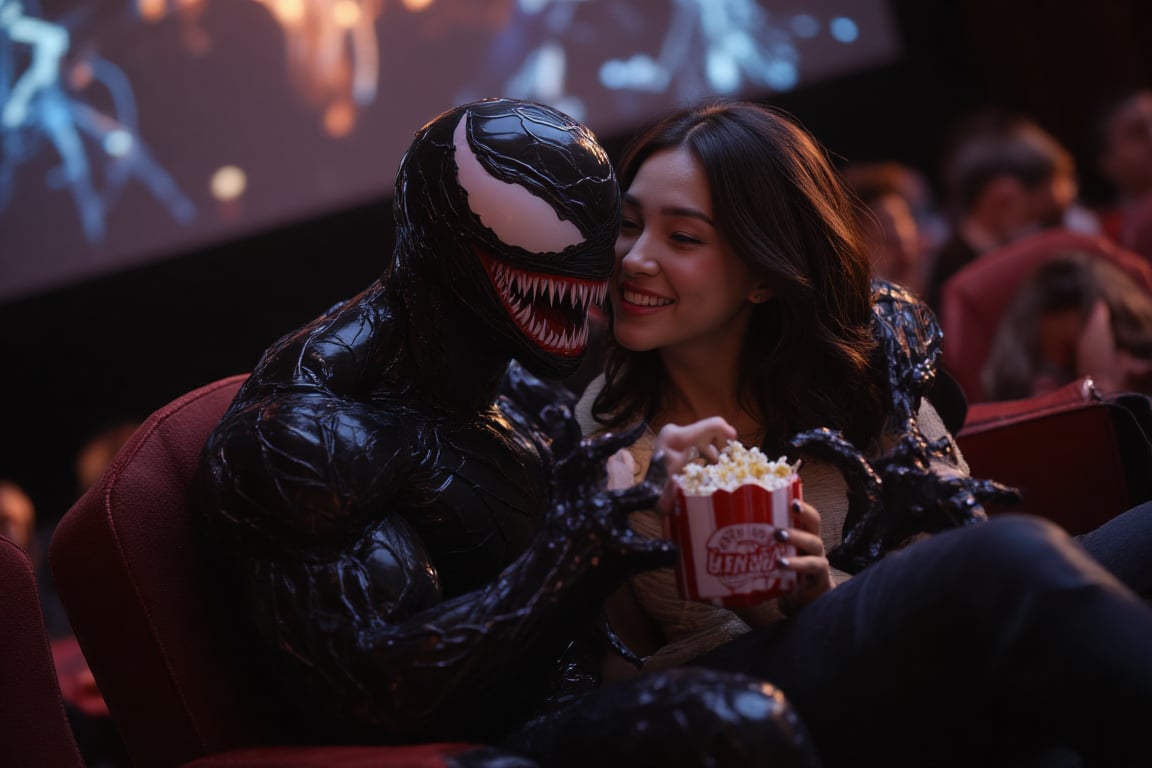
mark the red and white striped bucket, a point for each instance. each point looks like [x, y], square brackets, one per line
[728, 548]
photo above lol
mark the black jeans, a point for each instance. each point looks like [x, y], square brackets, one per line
[980, 646]
[1123, 545]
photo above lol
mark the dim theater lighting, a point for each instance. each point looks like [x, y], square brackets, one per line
[228, 183]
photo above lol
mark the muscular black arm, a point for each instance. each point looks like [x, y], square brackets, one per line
[317, 492]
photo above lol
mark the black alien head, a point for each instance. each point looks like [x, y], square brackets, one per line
[507, 212]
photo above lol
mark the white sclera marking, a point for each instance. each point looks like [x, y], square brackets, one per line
[517, 216]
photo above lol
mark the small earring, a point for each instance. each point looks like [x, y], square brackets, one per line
[758, 297]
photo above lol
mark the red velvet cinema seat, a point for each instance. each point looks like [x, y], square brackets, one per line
[1078, 458]
[128, 571]
[34, 729]
[973, 300]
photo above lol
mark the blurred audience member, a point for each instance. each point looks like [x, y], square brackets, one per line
[88, 463]
[18, 517]
[1123, 156]
[96, 454]
[96, 735]
[896, 203]
[1004, 177]
[1077, 315]
[1136, 234]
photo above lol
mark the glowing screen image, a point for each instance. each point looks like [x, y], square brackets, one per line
[133, 130]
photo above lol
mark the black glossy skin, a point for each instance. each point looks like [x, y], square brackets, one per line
[902, 493]
[420, 535]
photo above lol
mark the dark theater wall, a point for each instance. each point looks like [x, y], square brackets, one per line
[119, 347]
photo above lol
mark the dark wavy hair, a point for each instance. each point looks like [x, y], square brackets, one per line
[782, 208]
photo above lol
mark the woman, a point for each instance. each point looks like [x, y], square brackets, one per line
[741, 310]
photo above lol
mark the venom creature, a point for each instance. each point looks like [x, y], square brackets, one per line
[915, 486]
[404, 505]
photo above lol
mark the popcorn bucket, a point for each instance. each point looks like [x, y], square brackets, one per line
[728, 548]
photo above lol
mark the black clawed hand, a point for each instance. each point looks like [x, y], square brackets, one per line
[599, 448]
[561, 425]
[644, 494]
[585, 462]
[628, 500]
[586, 514]
[657, 475]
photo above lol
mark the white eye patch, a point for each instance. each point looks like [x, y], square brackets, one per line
[517, 216]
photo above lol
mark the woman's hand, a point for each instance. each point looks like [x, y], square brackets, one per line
[813, 573]
[621, 468]
[682, 445]
[679, 445]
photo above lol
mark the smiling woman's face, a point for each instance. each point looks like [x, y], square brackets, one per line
[677, 281]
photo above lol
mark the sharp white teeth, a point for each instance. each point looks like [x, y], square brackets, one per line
[521, 290]
[644, 300]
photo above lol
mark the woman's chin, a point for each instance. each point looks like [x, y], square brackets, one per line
[638, 344]
[634, 341]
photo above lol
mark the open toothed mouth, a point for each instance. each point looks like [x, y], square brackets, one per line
[549, 309]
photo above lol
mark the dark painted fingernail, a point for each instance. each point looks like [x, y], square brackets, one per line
[783, 562]
[795, 505]
[781, 534]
